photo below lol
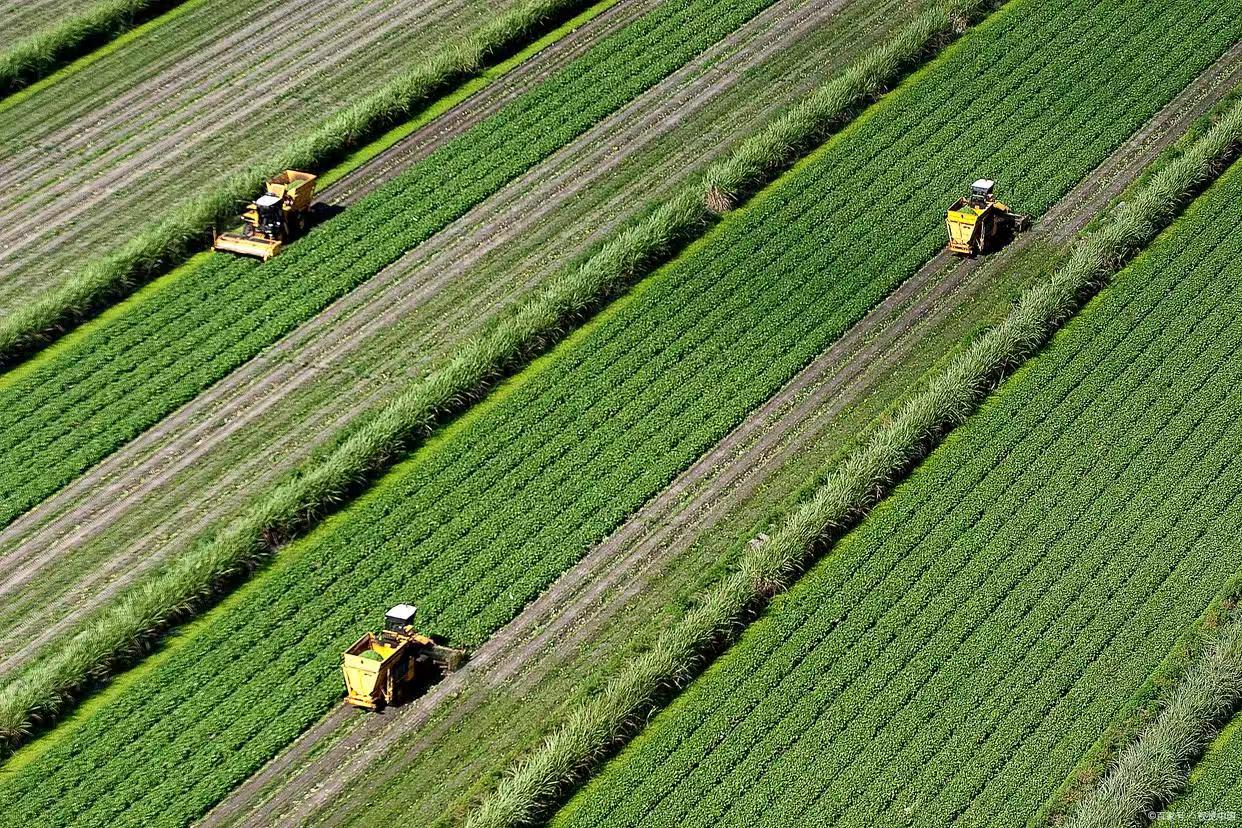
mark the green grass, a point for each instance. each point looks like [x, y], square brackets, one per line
[954, 656]
[118, 42]
[1216, 782]
[473, 753]
[481, 519]
[275, 516]
[331, 115]
[482, 79]
[407, 349]
[34, 55]
[79, 404]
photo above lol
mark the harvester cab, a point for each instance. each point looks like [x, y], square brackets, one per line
[384, 669]
[978, 223]
[273, 218]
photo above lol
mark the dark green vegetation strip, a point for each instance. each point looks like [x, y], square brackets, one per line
[70, 410]
[183, 230]
[36, 54]
[480, 520]
[125, 628]
[956, 655]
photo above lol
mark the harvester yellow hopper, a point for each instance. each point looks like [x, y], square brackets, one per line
[382, 669]
[273, 218]
[978, 222]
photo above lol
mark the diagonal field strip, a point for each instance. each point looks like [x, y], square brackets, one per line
[886, 604]
[464, 582]
[548, 633]
[96, 168]
[787, 22]
[34, 530]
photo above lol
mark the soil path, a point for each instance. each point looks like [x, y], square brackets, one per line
[94, 502]
[551, 631]
[249, 380]
[208, 97]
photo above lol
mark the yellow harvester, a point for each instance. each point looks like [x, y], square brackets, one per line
[382, 669]
[273, 218]
[978, 222]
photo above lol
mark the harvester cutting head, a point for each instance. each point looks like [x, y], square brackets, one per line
[382, 669]
[978, 222]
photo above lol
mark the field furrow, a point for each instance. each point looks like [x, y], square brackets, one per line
[1215, 784]
[952, 659]
[199, 466]
[21, 18]
[481, 519]
[184, 107]
[617, 586]
[125, 374]
[37, 36]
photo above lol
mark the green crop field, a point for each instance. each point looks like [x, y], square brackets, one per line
[1215, 786]
[633, 357]
[160, 351]
[954, 656]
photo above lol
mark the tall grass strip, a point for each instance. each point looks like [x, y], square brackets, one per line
[128, 627]
[1153, 768]
[596, 727]
[184, 230]
[38, 53]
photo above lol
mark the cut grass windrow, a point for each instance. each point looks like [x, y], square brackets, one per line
[137, 362]
[184, 230]
[41, 51]
[593, 729]
[486, 514]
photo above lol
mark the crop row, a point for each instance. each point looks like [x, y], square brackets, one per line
[594, 726]
[353, 104]
[119, 141]
[37, 52]
[81, 403]
[481, 519]
[290, 508]
[955, 655]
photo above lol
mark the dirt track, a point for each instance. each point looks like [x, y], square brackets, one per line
[91, 171]
[551, 631]
[321, 359]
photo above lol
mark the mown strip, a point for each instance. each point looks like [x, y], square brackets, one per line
[38, 53]
[184, 230]
[482, 518]
[788, 641]
[80, 404]
[198, 330]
